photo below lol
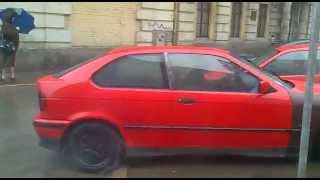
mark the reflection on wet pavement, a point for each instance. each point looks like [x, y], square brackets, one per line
[20, 155]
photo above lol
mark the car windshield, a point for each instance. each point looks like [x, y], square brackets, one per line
[274, 77]
[265, 55]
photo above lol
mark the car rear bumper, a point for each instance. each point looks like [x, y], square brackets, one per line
[50, 132]
[51, 144]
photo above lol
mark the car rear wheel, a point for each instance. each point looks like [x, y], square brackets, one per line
[94, 147]
[314, 150]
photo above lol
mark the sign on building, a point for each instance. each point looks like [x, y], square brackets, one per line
[160, 37]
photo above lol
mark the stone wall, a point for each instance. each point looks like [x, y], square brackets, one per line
[248, 30]
[252, 25]
[306, 21]
[223, 20]
[285, 23]
[103, 24]
[155, 16]
[108, 24]
[187, 22]
[275, 19]
[152, 16]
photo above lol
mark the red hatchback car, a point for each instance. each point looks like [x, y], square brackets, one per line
[288, 62]
[144, 101]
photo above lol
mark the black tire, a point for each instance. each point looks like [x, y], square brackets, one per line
[94, 147]
[315, 149]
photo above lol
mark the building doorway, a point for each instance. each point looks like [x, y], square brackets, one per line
[236, 19]
[203, 13]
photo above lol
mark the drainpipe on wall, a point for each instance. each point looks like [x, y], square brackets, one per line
[46, 27]
[290, 23]
[175, 23]
[281, 20]
[308, 35]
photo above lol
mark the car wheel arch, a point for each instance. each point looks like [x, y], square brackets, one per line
[81, 121]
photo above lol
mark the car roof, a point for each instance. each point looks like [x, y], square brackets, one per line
[300, 41]
[295, 42]
[294, 46]
[165, 48]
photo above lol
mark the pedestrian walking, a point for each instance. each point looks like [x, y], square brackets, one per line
[9, 45]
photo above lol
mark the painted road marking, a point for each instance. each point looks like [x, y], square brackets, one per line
[15, 85]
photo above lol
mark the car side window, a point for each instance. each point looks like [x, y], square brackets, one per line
[293, 63]
[210, 73]
[134, 71]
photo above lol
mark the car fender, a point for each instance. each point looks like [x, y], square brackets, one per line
[97, 117]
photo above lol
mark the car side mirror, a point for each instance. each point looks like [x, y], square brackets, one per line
[264, 87]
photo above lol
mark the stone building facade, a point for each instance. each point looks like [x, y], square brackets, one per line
[102, 24]
[50, 20]
[107, 24]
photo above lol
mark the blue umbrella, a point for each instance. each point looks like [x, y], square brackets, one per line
[22, 20]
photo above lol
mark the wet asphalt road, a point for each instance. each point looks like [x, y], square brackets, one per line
[20, 155]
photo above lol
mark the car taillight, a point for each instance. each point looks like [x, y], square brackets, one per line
[42, 101]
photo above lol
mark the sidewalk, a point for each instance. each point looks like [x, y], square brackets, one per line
[40, 60]
[254, 48]
[24, 78]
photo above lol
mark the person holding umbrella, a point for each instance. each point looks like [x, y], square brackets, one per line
[10, 39]
[14, 21]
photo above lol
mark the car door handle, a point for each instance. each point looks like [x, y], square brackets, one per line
[186, 100]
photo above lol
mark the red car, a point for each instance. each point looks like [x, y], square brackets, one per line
[287, 61]
[144, 101]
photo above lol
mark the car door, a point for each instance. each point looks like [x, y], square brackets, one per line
[136, 91]
[217, 105]
[291, 65]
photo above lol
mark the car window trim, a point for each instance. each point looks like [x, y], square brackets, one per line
[164, 71]
[169, 71]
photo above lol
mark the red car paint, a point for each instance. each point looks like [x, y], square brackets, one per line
[287, 49]
[152, 118]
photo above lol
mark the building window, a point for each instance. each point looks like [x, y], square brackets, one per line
[203, 12]
[262, 21]
[236, 19]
